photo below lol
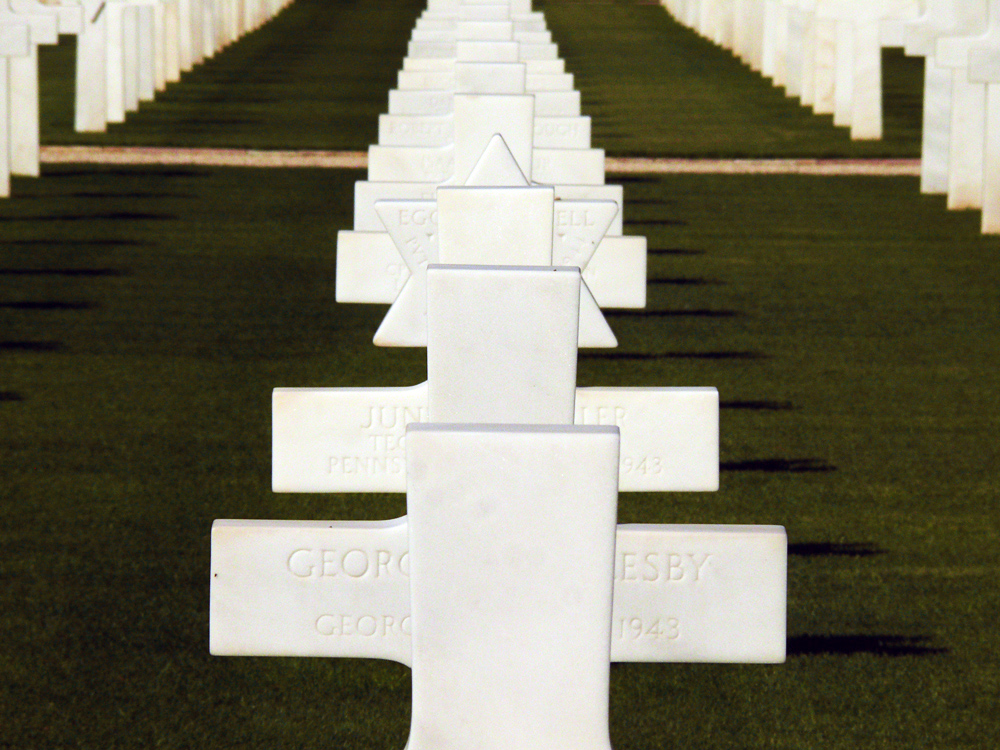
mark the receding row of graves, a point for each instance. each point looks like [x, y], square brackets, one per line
[127, 51]
[827, 53]
[509, 587]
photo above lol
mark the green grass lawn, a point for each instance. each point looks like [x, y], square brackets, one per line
[851, 326]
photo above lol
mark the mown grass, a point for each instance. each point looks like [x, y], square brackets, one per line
[850, 324]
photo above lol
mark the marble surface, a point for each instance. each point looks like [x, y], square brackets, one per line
[984, 67]
[351, 439]
[585, 230]
[90, 114]
[523, 231]
[341, 589]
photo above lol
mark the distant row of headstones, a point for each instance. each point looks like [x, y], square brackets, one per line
[827, 53]
[508, 587]
[127, 51]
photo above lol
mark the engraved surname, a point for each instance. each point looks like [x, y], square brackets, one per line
[666, 567]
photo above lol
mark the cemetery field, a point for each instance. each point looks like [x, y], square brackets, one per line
[652, 87]
[850, 325]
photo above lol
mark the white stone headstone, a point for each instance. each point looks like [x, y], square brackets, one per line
[968, 119]
[984, 68]
[22, 75]
[351, 439]
[682, 593]
[14, 42]
[522, 227]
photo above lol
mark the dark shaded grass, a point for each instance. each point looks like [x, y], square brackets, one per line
[864, 426]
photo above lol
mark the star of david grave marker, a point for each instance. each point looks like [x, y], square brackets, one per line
[497, 219]
[371, 268]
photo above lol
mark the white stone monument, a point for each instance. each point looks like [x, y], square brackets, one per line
[15, 41]
[984, 68]
[497, 220]
[940, 18]
[859, 40]
[508, 588]
[22, 77]
[498, 341]
[513, 505]
[370, 267]
[966, 154]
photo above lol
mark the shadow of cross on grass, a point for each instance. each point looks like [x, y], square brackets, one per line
[848, 645]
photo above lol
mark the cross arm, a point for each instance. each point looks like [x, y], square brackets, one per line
[352, 439]
[318, 588]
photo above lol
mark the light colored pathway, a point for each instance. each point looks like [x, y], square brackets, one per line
[231, 157]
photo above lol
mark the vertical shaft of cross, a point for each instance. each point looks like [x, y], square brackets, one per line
[511, 556]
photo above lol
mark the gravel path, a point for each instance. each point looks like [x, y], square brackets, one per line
[219, 157]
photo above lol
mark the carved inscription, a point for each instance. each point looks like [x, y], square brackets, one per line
[367, 626]
[436, 167]
[662, 566]
[353, 563]
[636, 628]
[550, 128]
[421, 233]
[383, 433]
[609, 414]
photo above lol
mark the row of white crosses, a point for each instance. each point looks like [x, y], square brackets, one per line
[466, 79]
[508, 587]
[827, 53]
[127, 51]
[960, 41]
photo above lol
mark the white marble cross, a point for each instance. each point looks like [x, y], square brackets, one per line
[474, 118]
[968, 113]
[858, 57]
[501, 348]
[940, 18]
[984, 68]
[22, 82]
[530, 501]
[25, 128]
[15, 41]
